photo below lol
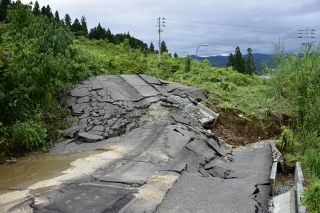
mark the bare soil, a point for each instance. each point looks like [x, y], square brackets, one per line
[238, 129]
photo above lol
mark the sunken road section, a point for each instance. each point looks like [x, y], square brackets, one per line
[157, 156]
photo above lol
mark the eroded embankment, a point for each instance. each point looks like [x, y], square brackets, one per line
[155, 155]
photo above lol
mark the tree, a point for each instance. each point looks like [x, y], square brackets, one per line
[84, 25]
[43, 11]
[111, 37]
[98, 33]
[163, 47]
[239, 62]
[3, 9]
[49, 12]
[250, 68]
[56, 16]
[76, 26]
[187, 63]
[151, 48]
[175, 55]
[102, 33]
[230, 62]
[67, 20]
[36, 9]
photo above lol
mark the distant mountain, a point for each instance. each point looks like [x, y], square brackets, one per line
[221, 61]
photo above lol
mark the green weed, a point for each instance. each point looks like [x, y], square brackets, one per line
[286, 139]
[311, 197]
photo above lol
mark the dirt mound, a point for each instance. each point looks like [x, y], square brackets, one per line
[238, 129]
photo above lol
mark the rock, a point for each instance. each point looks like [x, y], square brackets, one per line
[149, 79]
[98, 128]
[69, 133]
[80, 92]
[179, 119]
[85, 99]
[89, 137]
[215, 146]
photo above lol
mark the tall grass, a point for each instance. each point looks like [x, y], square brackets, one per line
[297, 79]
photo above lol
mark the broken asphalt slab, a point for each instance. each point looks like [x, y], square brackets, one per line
[157, 157]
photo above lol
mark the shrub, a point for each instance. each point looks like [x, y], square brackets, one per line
[311, 197]
[286, 139]
[312, 162]
[29, 135]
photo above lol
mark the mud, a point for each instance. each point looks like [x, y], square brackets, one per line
[37, 167]
[238, 129]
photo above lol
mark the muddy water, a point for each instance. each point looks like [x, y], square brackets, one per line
[36, 167]
[284, 180]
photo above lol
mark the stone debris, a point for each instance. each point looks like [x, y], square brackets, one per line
[89, 137]
[158, 156]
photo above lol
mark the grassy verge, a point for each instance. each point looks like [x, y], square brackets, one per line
[297, 79]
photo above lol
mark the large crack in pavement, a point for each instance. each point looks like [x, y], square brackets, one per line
[157, 157]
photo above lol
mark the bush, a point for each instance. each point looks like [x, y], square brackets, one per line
[286, 139]
[312, 162]
[311, 198]
[29, 135]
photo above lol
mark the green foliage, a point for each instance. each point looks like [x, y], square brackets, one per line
[3, 9]
[230, 62]
[297, 79]
[286, 139]
[84, 25]
[163, 47]
[36, 9]
[311, 197]
[36, 58]
[151, 48]
[29, 135]
[98, 33]
[312, 161]
[76, 26]
[245, 66]
[239, 62]
[225, 106]
[249, 63]
[67, 21]
[187, 63]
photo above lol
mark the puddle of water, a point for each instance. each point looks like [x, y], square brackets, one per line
[284, 180]
[36, 167]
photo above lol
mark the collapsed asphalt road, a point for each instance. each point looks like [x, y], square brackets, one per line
[157, 156]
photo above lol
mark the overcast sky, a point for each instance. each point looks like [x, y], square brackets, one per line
[222, 24]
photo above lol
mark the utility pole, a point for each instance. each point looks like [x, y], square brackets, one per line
[308, 33]
[159, 31]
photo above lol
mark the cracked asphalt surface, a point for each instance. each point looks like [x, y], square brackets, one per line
[157, 157]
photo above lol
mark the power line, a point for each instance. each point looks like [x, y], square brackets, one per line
[226, 29]
[308, 33]
[159, 25]
[233, 25]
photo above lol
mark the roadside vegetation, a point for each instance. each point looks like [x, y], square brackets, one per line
[40, 59]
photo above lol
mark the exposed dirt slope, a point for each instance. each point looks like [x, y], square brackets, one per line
[238, 129]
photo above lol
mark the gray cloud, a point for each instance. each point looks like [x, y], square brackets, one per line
[222, 25]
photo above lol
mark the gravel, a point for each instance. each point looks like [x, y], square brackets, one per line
[282, 189]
